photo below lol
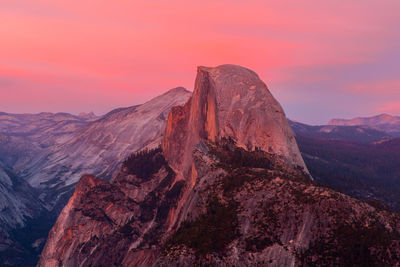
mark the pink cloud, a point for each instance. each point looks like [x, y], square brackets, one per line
[390, 107]
[134, 50]
[377, 88]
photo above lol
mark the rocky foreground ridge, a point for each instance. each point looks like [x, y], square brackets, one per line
[228, 187]
[42, 157]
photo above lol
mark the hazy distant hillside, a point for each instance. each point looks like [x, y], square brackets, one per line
[359, 160]
[333, 132]
[383, 122]
[45, 128]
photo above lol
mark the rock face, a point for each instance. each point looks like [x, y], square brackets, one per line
[220, 192]
[17, 199]
[102, 218]
[100, 147]
[18, 206]
[229, 102]
[25, 141]
[50, 152]
[94, 192]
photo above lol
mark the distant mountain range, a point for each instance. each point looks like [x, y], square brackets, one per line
[361, 133]
[383, 122]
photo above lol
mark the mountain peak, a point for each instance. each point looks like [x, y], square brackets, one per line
[177, 90]
[229, 69]
[88, 116]
[229, 101]
[175, 95]
[384, 115]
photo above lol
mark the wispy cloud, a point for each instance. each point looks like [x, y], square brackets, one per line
[390, 107]
[309, 52]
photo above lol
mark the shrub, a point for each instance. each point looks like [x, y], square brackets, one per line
[145, 163]
[234, 157]
[352, 245]
[211, 232]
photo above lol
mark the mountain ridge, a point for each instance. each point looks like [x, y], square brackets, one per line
[359, 133]
[208, 198]
[383, 122]
[372, 120]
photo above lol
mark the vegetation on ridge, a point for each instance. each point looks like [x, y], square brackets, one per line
[211, 232]
[145, 163]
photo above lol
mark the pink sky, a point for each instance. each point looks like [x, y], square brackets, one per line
[321, 59]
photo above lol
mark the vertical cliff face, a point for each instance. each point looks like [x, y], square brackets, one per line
[229, 102]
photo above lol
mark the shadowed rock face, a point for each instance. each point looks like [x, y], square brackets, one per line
[229, 102]
[18, 206]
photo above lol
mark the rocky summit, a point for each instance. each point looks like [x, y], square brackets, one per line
[229, 102]
[227, 187]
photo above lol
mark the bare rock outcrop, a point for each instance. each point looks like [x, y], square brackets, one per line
[229, 102]
[89, 217]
